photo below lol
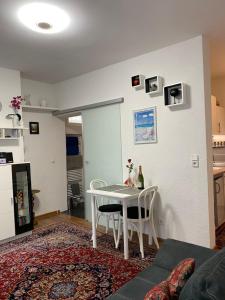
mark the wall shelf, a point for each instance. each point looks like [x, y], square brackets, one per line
[154, 86]
[175, 95]
[44, 109]
[138, 82]
[11, 133]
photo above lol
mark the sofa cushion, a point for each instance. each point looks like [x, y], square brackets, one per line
[179, 276]
[135, 289]
[172, 252]
[208, 282]
[154, 274]
[159, 292]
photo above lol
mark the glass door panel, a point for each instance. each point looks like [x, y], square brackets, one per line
[22, 197]
[102, 148]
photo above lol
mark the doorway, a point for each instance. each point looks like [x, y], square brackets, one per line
[218, 144]
[98, 130]
[74, 159]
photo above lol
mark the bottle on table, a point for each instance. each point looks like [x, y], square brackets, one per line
[140, 179]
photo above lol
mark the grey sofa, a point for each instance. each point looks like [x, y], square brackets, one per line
[210, 267]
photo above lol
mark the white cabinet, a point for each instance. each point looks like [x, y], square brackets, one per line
[7, 220]
[218, 117]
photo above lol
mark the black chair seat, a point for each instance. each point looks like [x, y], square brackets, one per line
[132, 212]
[110, 208]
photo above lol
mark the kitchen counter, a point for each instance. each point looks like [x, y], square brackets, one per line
[218, 171]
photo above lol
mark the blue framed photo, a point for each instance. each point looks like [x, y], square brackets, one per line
[145, 127]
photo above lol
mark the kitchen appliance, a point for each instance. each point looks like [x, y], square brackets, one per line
[219, 200]
[6, 157]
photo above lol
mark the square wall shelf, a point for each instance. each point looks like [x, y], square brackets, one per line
[154, 85]
[138, 81]
[175, 95]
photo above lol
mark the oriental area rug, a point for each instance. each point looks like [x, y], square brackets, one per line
[58, 262]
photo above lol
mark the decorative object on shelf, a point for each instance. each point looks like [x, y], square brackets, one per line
[145, 129]
[27, 100]
[137, 81]
[11, 133]
[175, 95]
[154, 85]
[15, 103]
[16, 118]
[43, 102]
[34, 127]
[130, 180]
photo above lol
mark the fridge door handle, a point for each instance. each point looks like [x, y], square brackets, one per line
[217, 186]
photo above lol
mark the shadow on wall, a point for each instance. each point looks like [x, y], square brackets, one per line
[167, 221]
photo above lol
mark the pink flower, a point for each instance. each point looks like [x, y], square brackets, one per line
[15, 103]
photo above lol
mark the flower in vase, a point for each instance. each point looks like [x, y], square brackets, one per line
[129, 181]
[130, 165]
[15, 103]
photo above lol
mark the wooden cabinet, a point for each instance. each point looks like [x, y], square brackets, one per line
[218, 117]
[16, 215]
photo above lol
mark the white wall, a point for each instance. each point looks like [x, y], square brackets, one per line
[47, 154]
[184, 205]
[38, 91]
[10, 87]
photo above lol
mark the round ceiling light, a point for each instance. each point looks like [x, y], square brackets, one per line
[43, 18]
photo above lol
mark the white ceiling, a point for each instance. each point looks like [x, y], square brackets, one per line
[103, 32]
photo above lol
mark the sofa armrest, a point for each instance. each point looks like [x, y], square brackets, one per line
[173, 251]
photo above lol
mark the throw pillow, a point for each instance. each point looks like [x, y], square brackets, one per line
[159, 292]
[179, 276]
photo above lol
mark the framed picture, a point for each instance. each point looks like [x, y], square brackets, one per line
[145, 128]
[34, 127]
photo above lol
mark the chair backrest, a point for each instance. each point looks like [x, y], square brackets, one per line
[95, 184]
[146, 199]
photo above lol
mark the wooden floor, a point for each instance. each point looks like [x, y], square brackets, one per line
[59, 218]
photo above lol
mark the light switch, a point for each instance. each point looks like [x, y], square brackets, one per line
[195, 160]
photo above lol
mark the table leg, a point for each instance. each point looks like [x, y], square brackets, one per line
[125, 230]
[93, 215]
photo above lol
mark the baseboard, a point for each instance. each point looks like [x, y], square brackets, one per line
[47, 215]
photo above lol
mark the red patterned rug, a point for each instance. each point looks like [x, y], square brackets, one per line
[58, 262]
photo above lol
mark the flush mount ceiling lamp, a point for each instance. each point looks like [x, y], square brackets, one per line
[43, 17]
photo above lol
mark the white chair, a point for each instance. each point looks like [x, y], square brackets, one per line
[139, 215]
[105, 207]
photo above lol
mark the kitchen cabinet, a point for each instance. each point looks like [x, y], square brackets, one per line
[219, 200]
[218, 117]
[16, 215]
